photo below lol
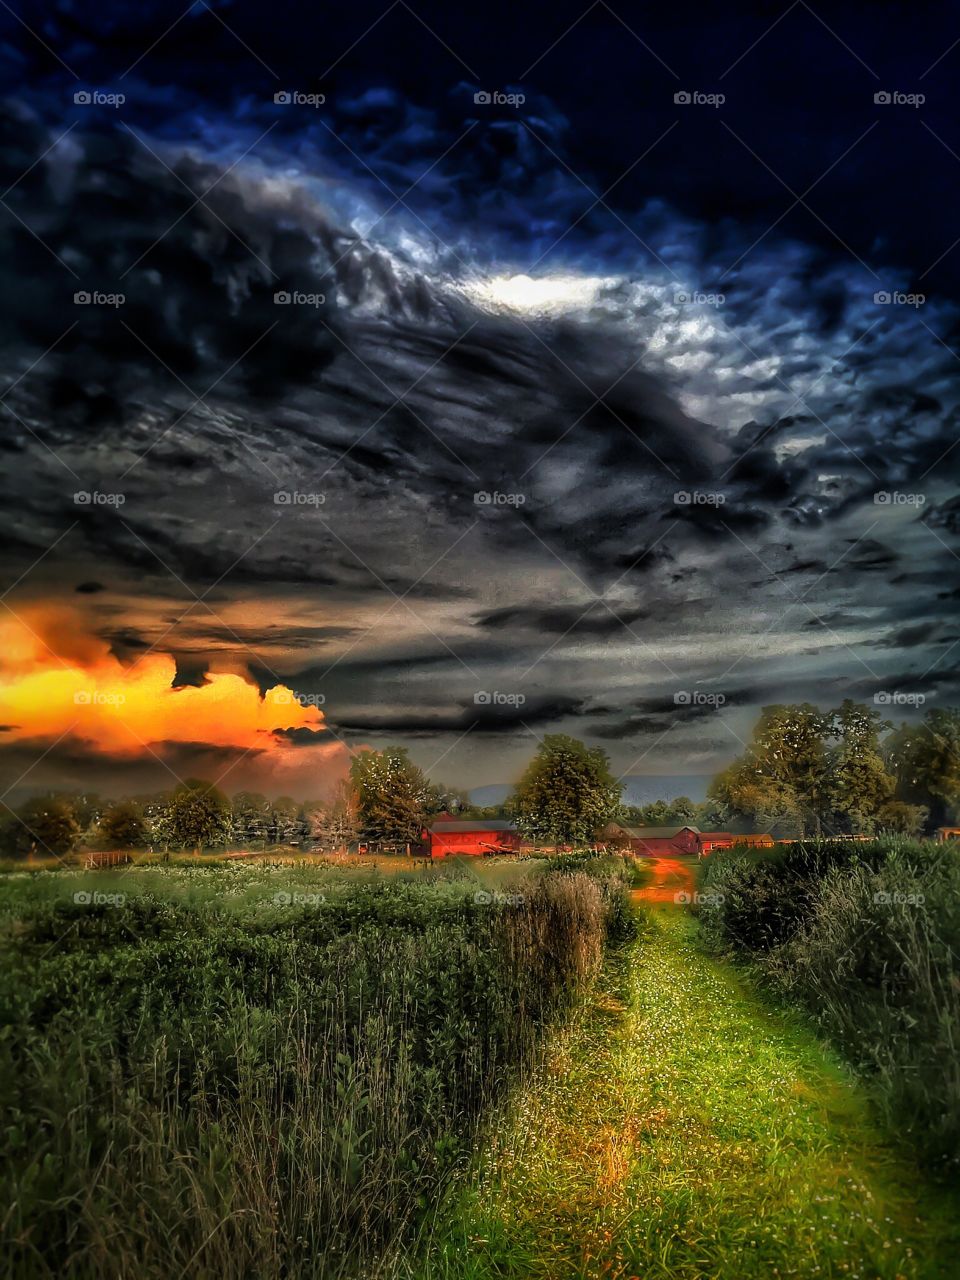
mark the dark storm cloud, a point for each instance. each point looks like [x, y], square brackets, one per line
[588, 618]
[71, 766]
[400, 400]
[944, 516]
[484, 718]
[190, 671]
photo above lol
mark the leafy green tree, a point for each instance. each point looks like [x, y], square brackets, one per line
[567, 792]
[897, 818]
[122, 825]
[450, 799]
[337, 825]
[249, 819]
[858, 783]
[712, 815]
[45, 824]
[284, 822]
[394, 797]
[782, 777]
[199, 816]
[87, 809]
[926, 761]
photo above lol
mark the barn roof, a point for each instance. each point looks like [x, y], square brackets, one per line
[457, 826]
[659, 833]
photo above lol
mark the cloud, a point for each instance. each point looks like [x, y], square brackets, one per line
[61, 682]
[396, 400]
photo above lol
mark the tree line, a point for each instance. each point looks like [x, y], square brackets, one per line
[804, 771]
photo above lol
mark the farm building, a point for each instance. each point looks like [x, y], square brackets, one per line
[710, 840]
[471, 836]
[668, 841]
[652, 841]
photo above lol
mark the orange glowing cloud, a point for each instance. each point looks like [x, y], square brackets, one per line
[58, 679]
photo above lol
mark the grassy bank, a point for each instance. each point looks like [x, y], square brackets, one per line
[681, 1129]
[233, 1072]
[867, 941]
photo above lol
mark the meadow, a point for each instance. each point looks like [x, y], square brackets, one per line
[481, 1069]
[233, 1070]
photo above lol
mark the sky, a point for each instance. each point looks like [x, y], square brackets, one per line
[401, 374]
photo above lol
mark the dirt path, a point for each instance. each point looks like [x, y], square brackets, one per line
[668, 878]
[682, 1129]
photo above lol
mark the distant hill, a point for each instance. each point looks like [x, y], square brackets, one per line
[637, 789]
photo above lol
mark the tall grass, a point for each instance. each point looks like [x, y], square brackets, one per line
[223, 1085]
[867, 941]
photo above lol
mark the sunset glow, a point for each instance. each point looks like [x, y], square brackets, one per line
[57, 678]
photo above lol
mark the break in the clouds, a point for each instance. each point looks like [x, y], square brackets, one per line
[460, 467]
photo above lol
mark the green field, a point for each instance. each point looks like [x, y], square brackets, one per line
[249, 1071]
[315, 1068]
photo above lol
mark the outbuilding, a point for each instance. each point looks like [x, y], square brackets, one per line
[471, 837]
[651, 841]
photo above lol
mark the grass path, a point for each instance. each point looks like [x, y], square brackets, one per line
[683, 1128]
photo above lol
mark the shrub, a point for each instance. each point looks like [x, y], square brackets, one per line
[867, 940]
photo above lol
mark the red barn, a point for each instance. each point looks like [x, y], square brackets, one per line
[710, 840]
[475, 837]
[652, 841]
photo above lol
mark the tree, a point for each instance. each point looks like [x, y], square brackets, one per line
[393, 794]
[567, 792]
[897, 818]
[782, 776]
[284, 822]
[337, 825]
[925, 759]
[122, 825]
[249, 818]
[449, 799]
[46, 824]
[858, 783]
[199, 815]
[712, 815]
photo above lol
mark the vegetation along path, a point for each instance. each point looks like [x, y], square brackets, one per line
[683, 1127]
